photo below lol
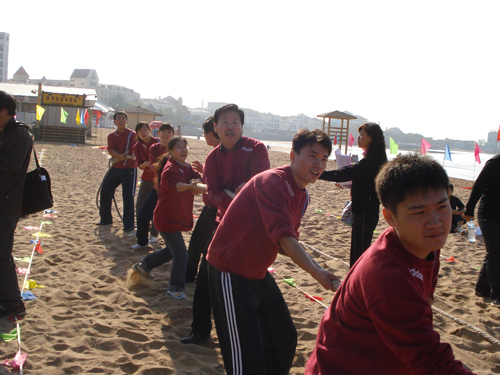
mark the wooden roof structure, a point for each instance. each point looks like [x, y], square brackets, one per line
[341, 132]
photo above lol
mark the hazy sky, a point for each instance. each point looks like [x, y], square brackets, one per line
[428, 67]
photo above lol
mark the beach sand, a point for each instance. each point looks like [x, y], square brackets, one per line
[86, 321]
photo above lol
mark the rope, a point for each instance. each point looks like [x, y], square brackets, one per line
[322, 253]
[485, 335]
[110, 165]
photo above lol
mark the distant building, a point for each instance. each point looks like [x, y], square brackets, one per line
[212, 106]
[163, 103]
[4, 56]
[50, 82]
[84, 78]
[107, 93]
[21, 76]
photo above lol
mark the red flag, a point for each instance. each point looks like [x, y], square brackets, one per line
[98, 116]
[477, 151]
[86, 116]
[498, 136]
[351, 140]
[424, 147]
[335, 140]
[38, 247]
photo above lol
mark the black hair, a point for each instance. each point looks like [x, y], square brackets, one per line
[377, 144]
[208, 126]
[451, 187]
[229, 107]
[162, 159]
[139, 126]
[8, 102]
[119, 113]
[406, 176]
[305, 137]
[166, 126]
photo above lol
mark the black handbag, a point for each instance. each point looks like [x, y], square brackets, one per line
[37, 191]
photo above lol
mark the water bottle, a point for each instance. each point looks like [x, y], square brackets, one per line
[471, 231]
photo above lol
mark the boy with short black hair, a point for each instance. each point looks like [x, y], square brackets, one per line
[255, 330]
[123, 172]
[380, 321]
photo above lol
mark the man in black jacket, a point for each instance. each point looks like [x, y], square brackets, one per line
[15, 152]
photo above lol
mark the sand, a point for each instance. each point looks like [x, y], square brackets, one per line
[86, 321]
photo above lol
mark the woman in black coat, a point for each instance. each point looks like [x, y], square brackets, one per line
[487, 188]
[365, 203]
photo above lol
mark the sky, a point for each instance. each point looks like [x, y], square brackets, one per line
[427, 67]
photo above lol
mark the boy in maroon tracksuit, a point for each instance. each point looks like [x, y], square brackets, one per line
[227, 169]
[254, 327]
[120, 144]
[380, 321]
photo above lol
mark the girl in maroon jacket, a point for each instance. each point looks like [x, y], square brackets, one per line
[178, 182]
[141, 153]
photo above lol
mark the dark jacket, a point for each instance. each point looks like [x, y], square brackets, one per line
[15, 153]
[486, 187]
[362, 175]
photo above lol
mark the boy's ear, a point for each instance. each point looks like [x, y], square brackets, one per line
[293, 154]
[388, 216]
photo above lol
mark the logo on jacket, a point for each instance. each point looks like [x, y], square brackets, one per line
[416, 273]
[247, 149]
[290, 190]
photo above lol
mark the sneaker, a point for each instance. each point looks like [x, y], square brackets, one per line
[495, 300]
[153, 239]
[137, 246]
[133, 233]
[177, 295]
[139, 268]
[128, 230]
[15, 309]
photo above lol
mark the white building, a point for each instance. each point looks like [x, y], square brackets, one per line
[84, 78]
[163, 103]
[4, 56]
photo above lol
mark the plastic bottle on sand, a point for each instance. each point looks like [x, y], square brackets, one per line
[471, 231]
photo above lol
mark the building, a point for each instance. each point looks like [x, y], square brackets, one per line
[159, 104]
[4, 56]
[21, 76]
[72, 100]
[111, 95]
[84, 78]
[138, 114]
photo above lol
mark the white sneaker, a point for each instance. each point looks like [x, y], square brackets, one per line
[177, 295]
[153, 239]
[133, 233]
[136, 246]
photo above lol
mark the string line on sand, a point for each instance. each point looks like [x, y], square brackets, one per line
[303, 291]
[18, 328]
[485, 335]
